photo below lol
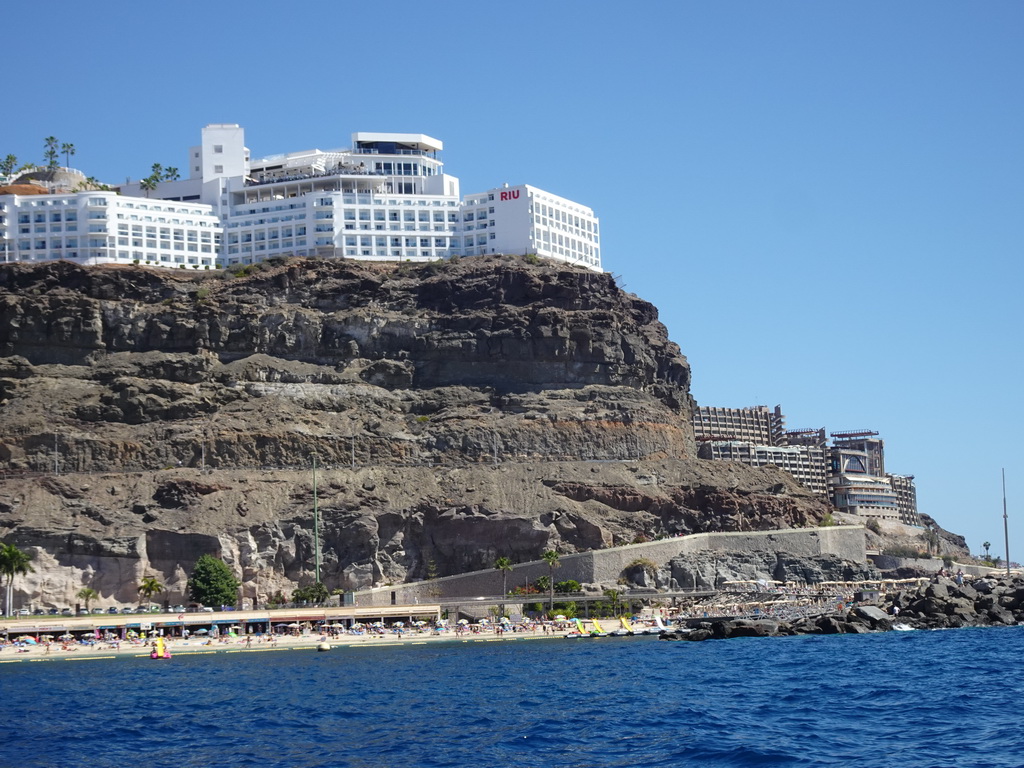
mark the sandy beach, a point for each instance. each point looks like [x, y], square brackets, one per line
[308, 643]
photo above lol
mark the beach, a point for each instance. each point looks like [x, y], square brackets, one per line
[263, 644]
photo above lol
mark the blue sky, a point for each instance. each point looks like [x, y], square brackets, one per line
[823, 199]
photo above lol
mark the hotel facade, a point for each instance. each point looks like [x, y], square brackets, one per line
[385, 198]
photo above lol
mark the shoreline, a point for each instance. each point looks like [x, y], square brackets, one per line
[187, 648]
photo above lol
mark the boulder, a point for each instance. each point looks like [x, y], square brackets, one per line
[752, 628]
[872, 613]
[1000, 615]
[938, 590]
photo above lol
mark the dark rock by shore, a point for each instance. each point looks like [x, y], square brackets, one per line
[940, 604]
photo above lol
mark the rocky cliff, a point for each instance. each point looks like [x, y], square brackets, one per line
[456, 412]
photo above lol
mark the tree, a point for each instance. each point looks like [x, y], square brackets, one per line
[171, 174]
[13, 562]
[613, 595]
[87, 595]
[7, 165]
[551, 558]
[68, 150]
[51, 154]
[986, 545]
[212, 582]
[504, 565]
[149, 587]
[148, 185]
[311, 593]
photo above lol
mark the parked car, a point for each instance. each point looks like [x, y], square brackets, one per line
[53, 611]
[206, 609]
[127, 610]
[66, 612]
[97, 610]
[177, 609]
[112, 610]
[23, 612]
[39, 612]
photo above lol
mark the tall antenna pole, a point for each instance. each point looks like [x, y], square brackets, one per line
[1006, 528]
[316, 526]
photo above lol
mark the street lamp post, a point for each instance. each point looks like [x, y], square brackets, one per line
[316, 527]
[1006, 527]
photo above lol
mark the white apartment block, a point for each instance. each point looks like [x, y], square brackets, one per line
[524, 219]
[107, 228]
[385, 198]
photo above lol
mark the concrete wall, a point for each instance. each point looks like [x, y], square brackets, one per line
[606, 565]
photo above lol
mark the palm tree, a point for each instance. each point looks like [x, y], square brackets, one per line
[13, 562]
[551, 558]
[87, 595]
[148, 185]
[171, 174]
[149, 587]
[504, 565]
[51, 154]
[613, 595]
[986, 545]
[68, 150]
[7, 165]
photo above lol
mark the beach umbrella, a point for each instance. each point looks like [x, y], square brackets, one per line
[28, 639]
[463, 621]
[399, 623]
[201, 632]
[559, 617]
[419, 623]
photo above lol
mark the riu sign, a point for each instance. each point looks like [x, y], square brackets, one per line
[512, 194]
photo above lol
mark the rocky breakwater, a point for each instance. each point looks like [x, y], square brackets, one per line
[940, 604]
[457, 412]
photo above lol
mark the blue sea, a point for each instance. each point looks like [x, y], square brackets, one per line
[937, 699]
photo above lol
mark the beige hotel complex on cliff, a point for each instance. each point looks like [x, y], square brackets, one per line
[849, 472]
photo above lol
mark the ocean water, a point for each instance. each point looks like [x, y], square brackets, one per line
[936, 699]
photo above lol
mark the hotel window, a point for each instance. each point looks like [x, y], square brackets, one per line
[218, 149]
[218, 169]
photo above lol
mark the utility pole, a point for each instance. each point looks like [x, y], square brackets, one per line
[1006, 527]
[316, 527]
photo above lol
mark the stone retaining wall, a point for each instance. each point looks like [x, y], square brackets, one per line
[606, 565]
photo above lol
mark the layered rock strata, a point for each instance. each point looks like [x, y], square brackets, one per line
[455, 412]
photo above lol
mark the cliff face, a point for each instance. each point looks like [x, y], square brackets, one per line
[457, 412]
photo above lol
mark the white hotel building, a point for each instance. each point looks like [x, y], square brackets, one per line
[105, 228]
[385, 198]
[525, 219]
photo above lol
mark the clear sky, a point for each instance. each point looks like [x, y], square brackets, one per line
[824, 200]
